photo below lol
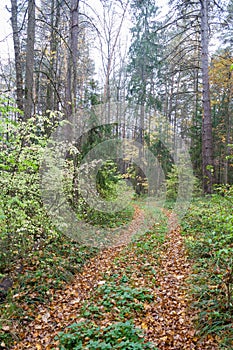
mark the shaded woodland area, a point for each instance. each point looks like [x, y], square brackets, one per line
[168, 67]
[90, 78]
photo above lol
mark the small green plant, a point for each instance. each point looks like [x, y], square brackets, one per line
[125, 300]
[119, 335]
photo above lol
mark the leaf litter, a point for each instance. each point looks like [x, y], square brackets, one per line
[163, 268]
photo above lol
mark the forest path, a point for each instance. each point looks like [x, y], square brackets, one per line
[171, 319]
[167, 321]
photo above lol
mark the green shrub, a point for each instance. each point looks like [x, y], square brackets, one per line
[180, 179]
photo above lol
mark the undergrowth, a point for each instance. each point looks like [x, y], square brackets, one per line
[119, 335]
[208, 228]
[43, 271]
[35, 256]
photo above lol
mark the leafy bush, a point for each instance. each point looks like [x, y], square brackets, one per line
[110, 187]
[107, 180]
[35, 255]
[180, 179]
[24, 222]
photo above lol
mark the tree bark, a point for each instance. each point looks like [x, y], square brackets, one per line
[71, 88]
[29, 80]
[17, 52]
[207, 137]
[51, 93]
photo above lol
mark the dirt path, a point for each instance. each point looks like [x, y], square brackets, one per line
[171, 321]
[167, 321]
[62, 311]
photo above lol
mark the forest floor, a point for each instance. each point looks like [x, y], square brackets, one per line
[156, 262]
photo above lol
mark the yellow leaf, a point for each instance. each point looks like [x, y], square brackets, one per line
[146, 306]
[164, 338]
[144, 325]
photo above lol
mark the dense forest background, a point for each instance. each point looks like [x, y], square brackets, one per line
[70, 56]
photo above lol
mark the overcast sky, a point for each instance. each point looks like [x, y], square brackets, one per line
[6, 45]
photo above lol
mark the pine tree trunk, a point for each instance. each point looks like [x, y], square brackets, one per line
[29, 80]
[71, 88]
[17, 52]
[207, 140]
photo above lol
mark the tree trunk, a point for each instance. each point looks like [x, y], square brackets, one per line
[17, 52]
[51, 91]
[228, 123]
[29, 80]
[71, 88]
[207, 138]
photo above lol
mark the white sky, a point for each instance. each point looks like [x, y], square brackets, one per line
[124, 37]
[6, 43]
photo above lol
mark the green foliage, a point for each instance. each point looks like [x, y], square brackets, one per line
[32, 251]
[119, 335]
[110, 187]
[137, 179]
[92, 96]
[107, 180]
[208, 227]
[160, 151]
[7, 107]
[126, 299]
[178, 181]
[172, 183]
[24, 223]
[109, 219]
[143, 53]
[37, 256]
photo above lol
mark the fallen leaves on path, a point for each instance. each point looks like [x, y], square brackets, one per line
[63, 310]
[167, 321]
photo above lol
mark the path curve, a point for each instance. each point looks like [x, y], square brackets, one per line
[168, 321]
[66, 302]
